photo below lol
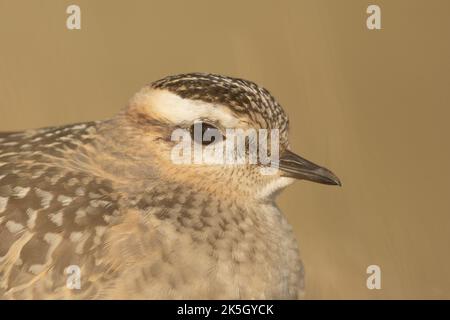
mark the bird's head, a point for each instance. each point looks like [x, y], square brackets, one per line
[219, 133]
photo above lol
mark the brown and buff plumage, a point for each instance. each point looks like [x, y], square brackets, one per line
[105, 196]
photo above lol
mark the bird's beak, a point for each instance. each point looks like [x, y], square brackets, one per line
[294, 166]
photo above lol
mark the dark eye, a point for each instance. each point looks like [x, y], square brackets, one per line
[204, 133]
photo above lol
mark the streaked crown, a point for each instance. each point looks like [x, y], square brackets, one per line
[242, 96]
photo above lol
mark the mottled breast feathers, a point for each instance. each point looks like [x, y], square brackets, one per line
[77, 196]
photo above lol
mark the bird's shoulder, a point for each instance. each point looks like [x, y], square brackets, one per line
[51, 215]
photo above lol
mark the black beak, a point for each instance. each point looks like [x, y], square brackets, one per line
[296, 167]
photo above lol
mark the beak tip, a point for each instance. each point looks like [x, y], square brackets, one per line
[334, 180]
[299, 168]
[328, 177]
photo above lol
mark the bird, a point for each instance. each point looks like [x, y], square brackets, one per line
[104, 198]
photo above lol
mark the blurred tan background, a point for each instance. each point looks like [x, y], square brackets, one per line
[373, 106]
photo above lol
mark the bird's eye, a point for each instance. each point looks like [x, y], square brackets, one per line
[204, 133]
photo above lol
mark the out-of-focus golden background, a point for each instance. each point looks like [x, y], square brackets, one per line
[374, 106]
